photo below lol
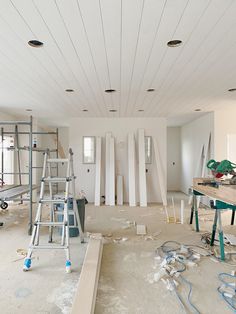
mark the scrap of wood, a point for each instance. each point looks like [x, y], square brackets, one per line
[85, 297]
[141, 230]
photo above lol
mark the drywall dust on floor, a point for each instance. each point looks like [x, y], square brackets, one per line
[126, 279]
[47, 288]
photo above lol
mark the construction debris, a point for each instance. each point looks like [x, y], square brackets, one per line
[141, 230]
[153, 236]
[120, 240]
[172, 259]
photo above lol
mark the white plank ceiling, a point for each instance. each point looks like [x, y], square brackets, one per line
[94, 45]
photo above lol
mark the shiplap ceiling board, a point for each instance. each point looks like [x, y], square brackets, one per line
[93, 45]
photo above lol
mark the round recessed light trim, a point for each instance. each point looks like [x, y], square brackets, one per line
[35, 43]
[174, 43]
[151, 90]
[69, 90]
[232, 90]
[198, 109]
[113, 110]
[140, 110]
[85, 110]
[29, 110]
[110, 90]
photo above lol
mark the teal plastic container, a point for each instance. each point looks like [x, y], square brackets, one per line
[73, 232]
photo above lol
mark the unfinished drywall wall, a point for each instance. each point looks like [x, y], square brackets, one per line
[193, 136]
[49, 141]
[224, 125]
[173, 158]
[120, 128]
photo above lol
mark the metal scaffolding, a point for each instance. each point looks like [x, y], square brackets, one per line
[15, 191]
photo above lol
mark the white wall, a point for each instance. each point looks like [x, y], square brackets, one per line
[120, 127]
[193, 136]
[173, 158]
[224, 125]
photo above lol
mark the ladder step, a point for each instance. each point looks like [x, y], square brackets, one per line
[49, 247]
[59, 201]
[63, 160]
[50, 224]
[57, 179]
[61, 212]
[54, 224]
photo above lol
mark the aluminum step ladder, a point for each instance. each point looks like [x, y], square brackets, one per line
[69, 181]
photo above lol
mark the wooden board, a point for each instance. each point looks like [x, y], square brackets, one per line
[85, 296]
[225, 193]
[97, 200]
[131, 170]
[142, 169]
[119, 187]
[107, 169]
[141, 230]
[112, 173]
[160, 173]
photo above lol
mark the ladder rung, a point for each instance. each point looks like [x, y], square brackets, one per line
[63, 160]
[50, 224]
[61, 212]
[59, 201]
[56, 179]
[50, 247]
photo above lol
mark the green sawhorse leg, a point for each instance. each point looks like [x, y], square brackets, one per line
[232, 217]
[196, 212]
[214, 228]
[191, 214]
[221, 237]
[217, 220]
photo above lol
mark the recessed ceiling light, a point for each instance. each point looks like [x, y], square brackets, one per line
[113, 110]
[110, 90]
[140, 110]
[28, 110]
[232, 90]
[35, 43]
[198, 109]
[150, 89]
[85, 110]
[69, 90]
[174, 43]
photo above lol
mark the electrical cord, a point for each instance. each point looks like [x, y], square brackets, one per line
[190, 294]
[171, 252]
[178, 296]
[230, 301]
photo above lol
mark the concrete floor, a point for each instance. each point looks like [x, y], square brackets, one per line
[46, 289]
[125, 284]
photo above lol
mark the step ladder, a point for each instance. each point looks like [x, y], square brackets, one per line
[69, 181]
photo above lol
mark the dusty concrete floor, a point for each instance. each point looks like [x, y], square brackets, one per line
[46, 289]
[127, 268]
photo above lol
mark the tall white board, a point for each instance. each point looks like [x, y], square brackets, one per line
[119, 188]
[107, 169]
[231, 147]
[206, 156]
[131, 169]
[160, 173]
[142, 169]
[112, 172]
[98, 171]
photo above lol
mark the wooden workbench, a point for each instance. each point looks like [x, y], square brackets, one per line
[223, 197]
[224, 193]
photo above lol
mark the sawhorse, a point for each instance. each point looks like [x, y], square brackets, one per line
[218, 206]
